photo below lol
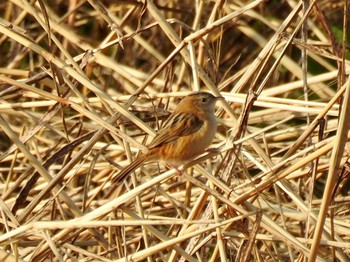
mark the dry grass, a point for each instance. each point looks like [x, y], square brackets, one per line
[84, 86]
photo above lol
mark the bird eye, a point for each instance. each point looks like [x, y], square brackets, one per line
[204, 99]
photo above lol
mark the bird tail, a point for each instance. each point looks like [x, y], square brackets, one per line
[130, 168]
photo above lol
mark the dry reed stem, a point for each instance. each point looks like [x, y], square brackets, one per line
[85, 85]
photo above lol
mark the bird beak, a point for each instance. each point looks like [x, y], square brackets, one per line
[220, 98]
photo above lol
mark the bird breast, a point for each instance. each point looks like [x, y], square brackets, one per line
[188, 147]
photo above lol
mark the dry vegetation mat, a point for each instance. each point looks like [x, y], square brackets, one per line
[85, 85]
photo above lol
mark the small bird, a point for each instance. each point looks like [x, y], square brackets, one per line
[186, 134]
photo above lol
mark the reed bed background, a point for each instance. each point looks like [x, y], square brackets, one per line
[84, 85]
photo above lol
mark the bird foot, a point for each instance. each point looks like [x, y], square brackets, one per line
[179, 173]
[213, 150]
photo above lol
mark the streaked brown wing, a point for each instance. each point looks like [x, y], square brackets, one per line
[178, 125]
